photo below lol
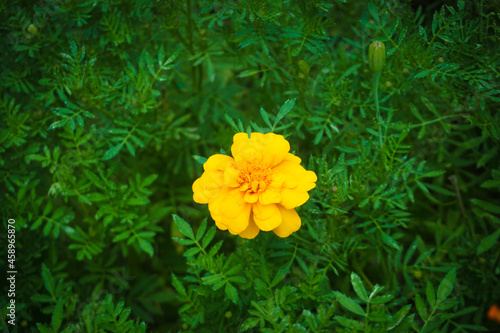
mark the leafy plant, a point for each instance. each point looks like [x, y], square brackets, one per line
[109, 109]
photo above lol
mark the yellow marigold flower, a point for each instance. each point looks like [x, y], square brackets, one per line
[256, 189]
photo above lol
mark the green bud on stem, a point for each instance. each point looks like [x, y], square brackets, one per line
[376, 56]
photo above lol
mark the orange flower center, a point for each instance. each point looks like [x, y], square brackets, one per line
[254, 178]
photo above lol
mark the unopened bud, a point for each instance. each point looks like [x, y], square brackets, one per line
[376, 56]
[32, 29]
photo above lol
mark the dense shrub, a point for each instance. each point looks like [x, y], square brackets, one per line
[108, 110]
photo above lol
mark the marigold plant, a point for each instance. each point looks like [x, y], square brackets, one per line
[256, 189]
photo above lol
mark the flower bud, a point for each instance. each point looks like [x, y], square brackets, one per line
[32, 29]
[376, 56]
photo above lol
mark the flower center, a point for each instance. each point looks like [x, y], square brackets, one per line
[254, 179]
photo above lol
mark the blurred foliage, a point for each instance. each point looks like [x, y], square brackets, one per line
[108, 109]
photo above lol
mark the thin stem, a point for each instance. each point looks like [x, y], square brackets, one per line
[362, 274]
[429, 318]
[367, 327]
[377, 107]
[436, 120]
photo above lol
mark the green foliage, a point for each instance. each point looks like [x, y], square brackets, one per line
[108, 109]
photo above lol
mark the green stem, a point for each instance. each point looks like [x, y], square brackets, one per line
[362, 274]
[190, 26]
[436, 120]
[377, 107]
[367, 328]
[429, 318]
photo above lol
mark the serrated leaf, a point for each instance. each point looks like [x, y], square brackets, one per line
[351, 324]
[231, 123]
[212, 279]
[201, 230]
[446, 286]
[422, 32]
[208, 237]
[57, 315]
[231, 292]
[191, 252]
[488, 242]
[302, 265]
[161, 55]
[146, 246]
[42, 328]
[488, 206]
[265, 117]
[112, 152]
[249, 72]
[281, 273]
[358, 286]
[121, 236]
[430, 294]
[399, 316]
[79, 119]
[149, 180]
[183, 226]
[73, 48]
[435, 22]
[57, 124]
[183, 241]
[372, 8]
[346, 149]
[173, 56]
[130, 148]
[422, 74]
[48, 280]
[434, 173]
[251, 322]
[285, 108]
[199, 159]
[178, 285]
[349, 304]
[390, 241]
[139, 201]
[421, 308]
[382, 299]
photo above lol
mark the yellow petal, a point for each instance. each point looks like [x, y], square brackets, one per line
[246, 150]
[291, 198]
[275, 149]
[251, 231]
[214, 208]
[267, 217]
[269, 196]
[217, 162]
[233, 204]
[307, 183]
[277, 180]
[291, 222]
[295, 176]
[231, 174]
[240, 222]
[219, 224]
[207, 186]
[292, 158]
[239, 138]
[214, 204]
[251, 197]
